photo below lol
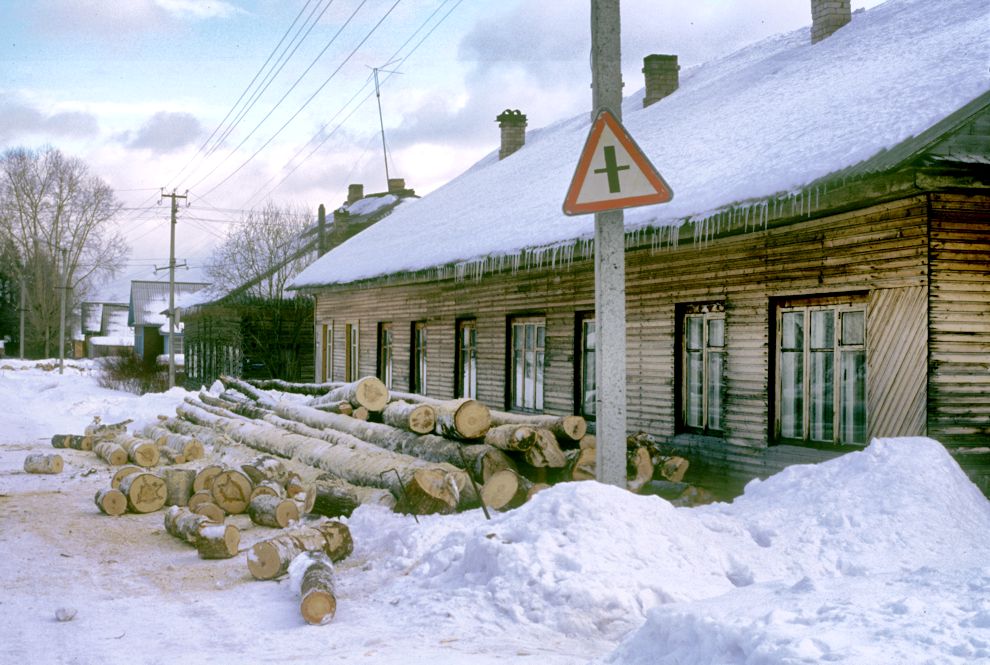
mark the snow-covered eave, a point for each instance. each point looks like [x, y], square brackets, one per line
[816, 199]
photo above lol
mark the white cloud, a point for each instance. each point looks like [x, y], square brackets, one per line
[199, 9]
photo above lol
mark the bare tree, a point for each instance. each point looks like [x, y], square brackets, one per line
[262, 253]
[56, 230]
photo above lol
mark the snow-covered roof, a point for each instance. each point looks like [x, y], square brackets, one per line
[768, 119]
[150, 299]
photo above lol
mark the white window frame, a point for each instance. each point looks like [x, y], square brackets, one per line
[527, 358]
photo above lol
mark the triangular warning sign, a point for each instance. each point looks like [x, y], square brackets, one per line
[613, 172]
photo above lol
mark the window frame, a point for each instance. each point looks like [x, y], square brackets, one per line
[536, 404]
[838, 305]
[385, 362]
[471, 352]
[326, 352]
[352, 351]
[708, 313]
[582, 375]
[418, 358]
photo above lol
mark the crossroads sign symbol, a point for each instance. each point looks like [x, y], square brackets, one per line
[613, 172]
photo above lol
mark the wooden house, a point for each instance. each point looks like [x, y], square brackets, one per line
[239, 333]
[821, 277]
[105, 330]
[146, 314]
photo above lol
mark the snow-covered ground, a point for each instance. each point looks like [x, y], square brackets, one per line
[877, 557]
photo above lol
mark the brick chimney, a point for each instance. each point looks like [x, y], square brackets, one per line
[354, 193]
[660, 73]
[513, 126]
[396, 185]
[827, 16]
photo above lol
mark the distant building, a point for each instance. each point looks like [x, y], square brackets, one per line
[105, 330]
[146, 313]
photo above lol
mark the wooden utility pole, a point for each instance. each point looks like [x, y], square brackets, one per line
[20, 346]
[171, 286]
[610, 268]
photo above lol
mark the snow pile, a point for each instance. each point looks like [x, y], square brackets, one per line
[768, 119]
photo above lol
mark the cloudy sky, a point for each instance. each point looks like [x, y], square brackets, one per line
[240, 101]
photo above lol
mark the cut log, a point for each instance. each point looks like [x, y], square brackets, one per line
[199, 497]
[360, 413]
[346, 456]
[205, 476]
[462, 419]
[185, 525]
[272, 511]
[42, 463]
[429, 491]
[188, 447]
[73, 441]
[582, 463]
[588, 441]
[485, 461]
[673, 468]
[297, 388]
[338, 498]
[545, 451]
[168, 458]
[145, 492]
[318, 600]
[294, 485]
[239, 405]
[111, 501]
[219, 541]
[416, 418]
[205, 435]
[210, 511]
[511, 437]
[269, 488]
[140, 451]
[537, 487]
[368, 392]
[639, 468]
[122, 473]
[111, 453]
[262, 398]
[98, 428]
[231, 491]
[568, 430]
[270, 558]
[266, 468]
[506, 490]
[343, 408]
[178, 485]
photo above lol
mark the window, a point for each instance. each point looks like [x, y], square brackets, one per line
[418, 373]
[351, 352]
[467, 359]
[702, 365]
[526, 364]
[326, 352]
[586, 395]
[385, 353]
[821, 371]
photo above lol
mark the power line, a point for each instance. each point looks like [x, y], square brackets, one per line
[311, 97]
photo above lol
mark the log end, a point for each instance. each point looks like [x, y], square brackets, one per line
[318, 607]
[263, 561]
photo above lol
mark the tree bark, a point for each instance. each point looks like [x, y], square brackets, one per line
[415, 418]
[568, 430]
[185, 525]
[111, 453]
[368, 392]
[272, 511]
[111, 501]
[142, 452]
[318, 600]
[145, 492]
[41, 463]
[338, 498]
[178, 486]
[218, 541]
[270, 558]
[511, 437]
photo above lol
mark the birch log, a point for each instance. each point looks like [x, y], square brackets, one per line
[178, 485]
[273, 511]
[511, 437]
[188, 447]
[545, 451]
[334, 497]
[111, 453]
[139, 451]
[318, 600]
[270, 558]
[205, 476]
[185, 525]
[506, 490]
[42, 463]
[343, 408]
[111, 501]
[206, 435]
[353, 459]
[218, 541]
[567, 430]
[145, 492]
[122, 473]
[210, 511]
[74, 441]
[368, 392]
[416, 418]
[231, 490]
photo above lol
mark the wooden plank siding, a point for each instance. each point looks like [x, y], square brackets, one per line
[959, 319]
[879, 253]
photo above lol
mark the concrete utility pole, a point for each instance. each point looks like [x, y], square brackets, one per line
[610, 267]
[61, 323]
[171, 286]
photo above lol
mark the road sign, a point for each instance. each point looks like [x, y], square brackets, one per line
[613, 172]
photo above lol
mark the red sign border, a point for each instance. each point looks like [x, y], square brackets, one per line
[663, 194]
